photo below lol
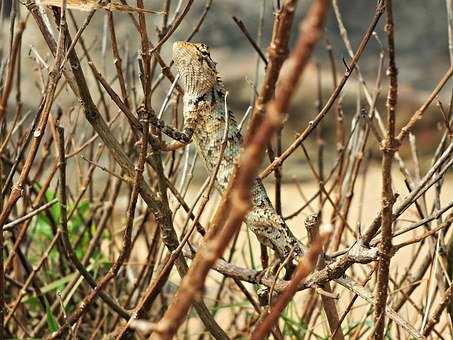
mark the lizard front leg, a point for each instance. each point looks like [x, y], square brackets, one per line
[182, 138]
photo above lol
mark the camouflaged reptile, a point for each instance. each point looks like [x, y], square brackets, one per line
[204, 123]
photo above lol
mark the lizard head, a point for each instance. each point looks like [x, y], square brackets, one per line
[197, 69]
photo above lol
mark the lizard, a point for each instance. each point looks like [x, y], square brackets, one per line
[204, 124]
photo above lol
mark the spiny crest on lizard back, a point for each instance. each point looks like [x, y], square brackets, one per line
[197, 69]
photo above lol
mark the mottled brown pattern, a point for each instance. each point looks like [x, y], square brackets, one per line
[204, 104]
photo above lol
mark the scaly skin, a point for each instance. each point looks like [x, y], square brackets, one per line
[204, 116]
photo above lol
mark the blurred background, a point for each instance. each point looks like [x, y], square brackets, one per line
[422, 53]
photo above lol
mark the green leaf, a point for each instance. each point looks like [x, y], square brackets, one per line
[51, 321]
[76, 220]
[231, 305]
[33, 303]
[60, 283]
[54, 209]
[83, 207]
[43, 227]
[50, 195]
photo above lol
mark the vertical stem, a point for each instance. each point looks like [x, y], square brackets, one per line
[319, 136]
[145, 55]
[312, 223]
[449, 4]
[389, 147]
[278, 51]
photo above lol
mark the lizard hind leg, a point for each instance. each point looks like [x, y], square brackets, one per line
[284, 254]
[271, 230]
[265, 236]
[278, 261]
[274, 236]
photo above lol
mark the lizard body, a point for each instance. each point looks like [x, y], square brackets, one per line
[204, 119]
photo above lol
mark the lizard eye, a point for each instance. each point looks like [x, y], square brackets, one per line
[203, 49]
